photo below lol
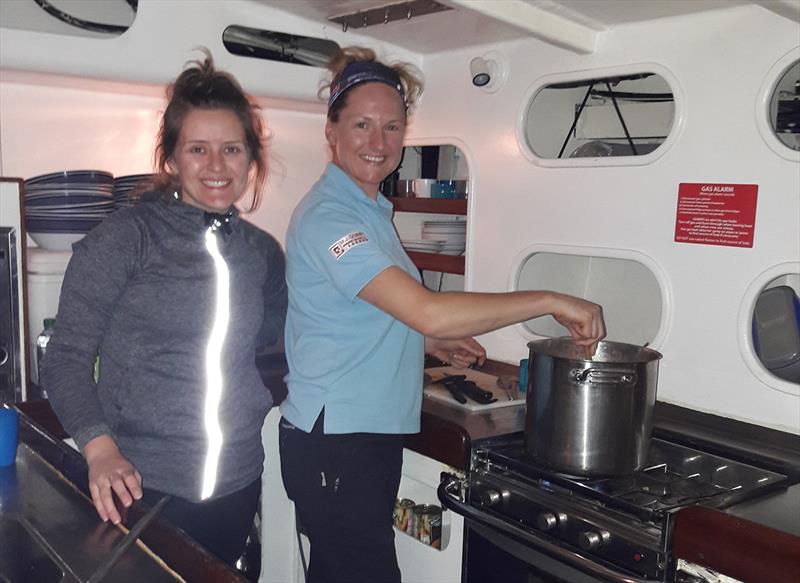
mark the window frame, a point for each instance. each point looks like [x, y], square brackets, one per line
[762, 108]
[574, 76]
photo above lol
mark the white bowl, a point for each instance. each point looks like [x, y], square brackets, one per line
[56, 241]
[422, 187]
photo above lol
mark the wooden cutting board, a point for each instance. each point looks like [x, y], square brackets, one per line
[485, 381]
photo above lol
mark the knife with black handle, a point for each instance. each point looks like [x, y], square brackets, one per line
[460, 388]
[477, 394]
[451, 383]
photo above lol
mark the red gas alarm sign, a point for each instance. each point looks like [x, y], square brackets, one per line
[716, 214]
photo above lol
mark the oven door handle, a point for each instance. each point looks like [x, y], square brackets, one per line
[449, 495]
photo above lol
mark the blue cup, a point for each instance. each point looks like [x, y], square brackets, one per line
[9, 432]
[443, 189]
[523, 375]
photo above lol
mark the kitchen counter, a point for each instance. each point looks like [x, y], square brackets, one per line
[55, 534]
[36, 503]
[448, 433]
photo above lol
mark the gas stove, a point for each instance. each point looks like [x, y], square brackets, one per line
[618, 528]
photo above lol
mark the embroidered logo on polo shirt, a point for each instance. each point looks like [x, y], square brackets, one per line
[346, 243]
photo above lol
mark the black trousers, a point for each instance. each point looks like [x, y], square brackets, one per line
[344, 489]
[220, 525]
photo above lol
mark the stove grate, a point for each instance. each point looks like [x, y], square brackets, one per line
[677, 476]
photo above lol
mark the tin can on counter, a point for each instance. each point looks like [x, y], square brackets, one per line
[403, 513]
[428, 524]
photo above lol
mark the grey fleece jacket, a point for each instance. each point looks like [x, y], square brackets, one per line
[140, 291]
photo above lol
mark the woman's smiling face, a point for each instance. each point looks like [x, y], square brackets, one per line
[367, 139]
[211, 159]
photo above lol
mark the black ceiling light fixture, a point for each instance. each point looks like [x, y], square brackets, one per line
[272, 45]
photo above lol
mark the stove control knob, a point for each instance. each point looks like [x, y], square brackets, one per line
[591, 540]
[489, 498]
[548, 520]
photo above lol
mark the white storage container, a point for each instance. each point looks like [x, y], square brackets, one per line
[420, 563]
[44, 274]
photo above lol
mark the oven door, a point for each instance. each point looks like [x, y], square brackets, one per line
[499, 551]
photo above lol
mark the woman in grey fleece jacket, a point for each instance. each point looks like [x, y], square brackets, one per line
[175, 294]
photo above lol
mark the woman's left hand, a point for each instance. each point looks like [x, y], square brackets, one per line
[460, 353]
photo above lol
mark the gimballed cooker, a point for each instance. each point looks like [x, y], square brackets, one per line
[610, 529]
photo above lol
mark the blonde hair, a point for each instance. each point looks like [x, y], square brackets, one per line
[410, 77]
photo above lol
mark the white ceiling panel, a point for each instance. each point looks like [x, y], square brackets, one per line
[476, 22]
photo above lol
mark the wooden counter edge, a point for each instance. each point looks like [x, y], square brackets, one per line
[447, 438]
[438, 439]
[736, 547]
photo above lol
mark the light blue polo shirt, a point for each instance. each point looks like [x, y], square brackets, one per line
[358, 362]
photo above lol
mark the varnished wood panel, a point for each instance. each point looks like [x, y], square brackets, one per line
[736, 547]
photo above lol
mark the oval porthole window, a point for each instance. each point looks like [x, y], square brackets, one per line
[784, 108]
[107, 19]
[608, 116]
[625, 285]
[776, 327]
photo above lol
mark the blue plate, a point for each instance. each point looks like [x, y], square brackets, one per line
[65, 201]
[67, 188]
[69, 176]
[61, 225]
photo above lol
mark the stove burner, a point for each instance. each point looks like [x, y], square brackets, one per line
[621, 523]
[676, 476]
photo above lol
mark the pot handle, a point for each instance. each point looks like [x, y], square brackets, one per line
[605, 376]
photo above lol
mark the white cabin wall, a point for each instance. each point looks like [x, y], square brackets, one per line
[49, 128]
[720, 62]
[73, 102]
[52, 128]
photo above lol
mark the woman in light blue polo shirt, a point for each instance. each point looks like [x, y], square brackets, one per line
[358, 323]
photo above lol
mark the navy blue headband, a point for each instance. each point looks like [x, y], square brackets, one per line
[362, 72]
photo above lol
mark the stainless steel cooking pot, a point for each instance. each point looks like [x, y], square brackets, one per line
[590, 416]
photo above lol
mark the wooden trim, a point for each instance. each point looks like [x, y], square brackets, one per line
[438, 262]
[736, 547]
[430, 205]
[441, 440]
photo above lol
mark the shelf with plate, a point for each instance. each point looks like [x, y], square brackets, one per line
[433, 261]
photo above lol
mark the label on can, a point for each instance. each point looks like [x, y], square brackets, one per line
[403, 512]
[428, 524]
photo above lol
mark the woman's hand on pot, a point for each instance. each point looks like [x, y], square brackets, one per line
[461, 353]
[110, 472]
[582, 318]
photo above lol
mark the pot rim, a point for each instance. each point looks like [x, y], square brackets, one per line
[608, 351]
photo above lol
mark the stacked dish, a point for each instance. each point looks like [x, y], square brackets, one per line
[61, 207]
[128, 189]
[451, 234]
[422, 245]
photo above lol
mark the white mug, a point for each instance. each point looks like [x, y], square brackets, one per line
[422, 187]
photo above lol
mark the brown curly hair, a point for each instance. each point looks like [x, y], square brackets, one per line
[410, 77]
[201, 86]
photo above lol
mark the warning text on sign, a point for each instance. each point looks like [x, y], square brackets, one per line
[716, 214]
